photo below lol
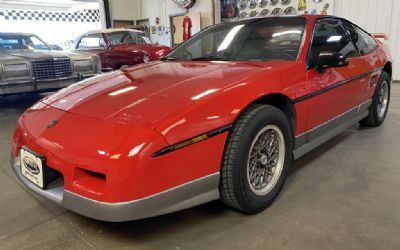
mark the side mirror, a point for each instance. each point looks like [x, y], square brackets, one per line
[330, 60]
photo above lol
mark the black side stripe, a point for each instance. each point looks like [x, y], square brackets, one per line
[334, 86]
[227, 128]
[193, 140]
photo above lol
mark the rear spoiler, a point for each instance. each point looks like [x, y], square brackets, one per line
[380, 36]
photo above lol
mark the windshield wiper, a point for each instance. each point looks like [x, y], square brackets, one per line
[213, 58]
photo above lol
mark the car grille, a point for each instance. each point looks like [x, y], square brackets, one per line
[51, 68]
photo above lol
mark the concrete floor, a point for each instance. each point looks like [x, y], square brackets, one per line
[343, 195]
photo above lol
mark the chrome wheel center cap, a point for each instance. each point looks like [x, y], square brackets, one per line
[264, 159]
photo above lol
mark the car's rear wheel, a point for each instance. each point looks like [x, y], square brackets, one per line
[380, 103]
[257, 156]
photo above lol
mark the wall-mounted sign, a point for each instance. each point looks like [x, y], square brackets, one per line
[184, 3]
[232, 10]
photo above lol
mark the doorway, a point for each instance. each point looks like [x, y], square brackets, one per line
[176, 29]
[176, 22]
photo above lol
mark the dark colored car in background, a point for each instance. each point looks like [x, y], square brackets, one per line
[28, 64]
[119, 48]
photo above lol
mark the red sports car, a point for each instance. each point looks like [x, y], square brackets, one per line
[120, 48]
[221, 117]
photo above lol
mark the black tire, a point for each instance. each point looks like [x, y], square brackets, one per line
[235, 190]
[374, 119]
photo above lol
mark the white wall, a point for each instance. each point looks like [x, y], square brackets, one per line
[31, 7]
[375, 16]
[150, 9]
[60, 32]
[124, 9]
[394, 37]
[164, 8]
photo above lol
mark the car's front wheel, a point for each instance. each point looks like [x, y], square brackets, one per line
[257, 156]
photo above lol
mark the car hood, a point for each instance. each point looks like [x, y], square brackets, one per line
[148, 93]
[136, 46]
[157, 46]
[27, 54]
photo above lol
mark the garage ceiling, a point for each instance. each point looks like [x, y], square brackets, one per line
[49, 3]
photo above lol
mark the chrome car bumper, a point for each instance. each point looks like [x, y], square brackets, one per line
[180, 197]
[15, 87]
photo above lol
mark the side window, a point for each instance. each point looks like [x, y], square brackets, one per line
[10, 43]
[124, 37]
[91, 41]
[132, 38]
[331, 37]
[146, 39]
[102, 42]
[141, 39]
[34, 43]
[352, 32]
[364, 41]
[369, 40]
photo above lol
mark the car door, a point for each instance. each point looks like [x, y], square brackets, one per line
[93, 43]
[370, 57]
[336, 92]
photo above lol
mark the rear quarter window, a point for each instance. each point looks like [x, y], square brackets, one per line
[91, 41]
[9, 43]
[364, 41]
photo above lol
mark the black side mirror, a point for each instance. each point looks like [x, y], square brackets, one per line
[330, 60]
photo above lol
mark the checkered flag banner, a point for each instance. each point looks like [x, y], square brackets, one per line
[85, 16]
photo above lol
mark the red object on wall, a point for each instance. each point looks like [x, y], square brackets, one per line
[187, 28]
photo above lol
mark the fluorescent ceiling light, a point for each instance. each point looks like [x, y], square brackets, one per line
[121, 91]
[205, 93]
[228, 39]
[287, 32]
[48, 3]
[334, 39]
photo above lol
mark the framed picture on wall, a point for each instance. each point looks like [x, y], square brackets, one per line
[229, 9]
[122, 23]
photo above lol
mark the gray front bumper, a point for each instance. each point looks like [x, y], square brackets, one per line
[18, 87]
[184, 196]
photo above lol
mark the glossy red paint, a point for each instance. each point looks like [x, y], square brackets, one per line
[113, 123]
[114, 56]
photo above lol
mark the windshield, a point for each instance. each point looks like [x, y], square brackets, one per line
[277, 38]
[127, 37]
[15, 42]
